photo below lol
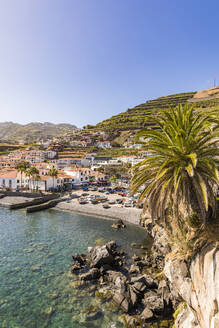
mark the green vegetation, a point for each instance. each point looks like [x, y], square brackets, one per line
[5, 148]
[180, 177]
[137, 118]
[117, 152]
[22, 167]
[33, 172]
[31, 132]
[53, 172]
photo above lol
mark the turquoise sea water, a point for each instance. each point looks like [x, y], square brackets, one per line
[36, 286]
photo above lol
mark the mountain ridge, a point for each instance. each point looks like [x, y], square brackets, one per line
[30, 132]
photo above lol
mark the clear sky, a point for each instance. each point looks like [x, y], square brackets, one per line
[82, 61]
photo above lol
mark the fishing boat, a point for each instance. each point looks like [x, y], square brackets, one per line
[82, 201]
[106, 206]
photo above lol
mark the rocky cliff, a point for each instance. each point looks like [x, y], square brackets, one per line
[196, 285]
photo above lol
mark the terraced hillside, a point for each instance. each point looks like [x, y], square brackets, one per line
[136, 118]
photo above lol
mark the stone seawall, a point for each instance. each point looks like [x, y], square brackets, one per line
[36, 201]
[21, 194]
[44, 206]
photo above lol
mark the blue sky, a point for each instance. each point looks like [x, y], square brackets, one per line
[82, 61]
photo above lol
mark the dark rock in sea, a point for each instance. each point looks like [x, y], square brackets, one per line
[92, 274]
[104, 268]
[115, 226]
[147, 280]
[101, 255]
[81, 259]
[118, 225]
[111, 245]
[132, 321]
[121, 252]
[93, 315]
[122, 224]
[123, 302]
[75, 267]
[116, 277]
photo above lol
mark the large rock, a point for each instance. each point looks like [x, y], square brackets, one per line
[149, 282]
[133, 297]
[101, 255]
[147, 314]
[155, 304]
[122, 301]
[79, 258]
[139, 287]
[116, 277]
[92, 274]
[164, 292]
[160, 237]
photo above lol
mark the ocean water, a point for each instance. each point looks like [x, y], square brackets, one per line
[36, 287]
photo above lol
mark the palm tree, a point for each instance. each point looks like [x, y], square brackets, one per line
[33, 172]
[113, 178]
[22, 167]
[37, 179]
[181, 172]
[53, 172]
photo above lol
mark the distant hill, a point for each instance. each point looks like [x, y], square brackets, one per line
[31, 132]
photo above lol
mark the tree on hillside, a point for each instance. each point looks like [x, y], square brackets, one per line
[181, 174]
[22, 167]
[53, 172]
[113, 178]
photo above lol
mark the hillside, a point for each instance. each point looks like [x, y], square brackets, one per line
[31, 132]
[136, 118]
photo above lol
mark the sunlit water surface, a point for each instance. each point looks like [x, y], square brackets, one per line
[36, 287]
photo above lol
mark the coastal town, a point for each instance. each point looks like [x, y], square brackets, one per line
[68, 172]
[79, 182]
[109, 164]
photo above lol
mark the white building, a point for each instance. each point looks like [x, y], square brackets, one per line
[103, 144]
[79, 175]
[8, 178]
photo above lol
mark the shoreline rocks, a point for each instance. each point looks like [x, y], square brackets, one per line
[118, 225]
[136, 293]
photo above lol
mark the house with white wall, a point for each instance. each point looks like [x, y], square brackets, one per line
[8, 178]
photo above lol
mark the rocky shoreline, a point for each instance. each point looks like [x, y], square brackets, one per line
[135, 285]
